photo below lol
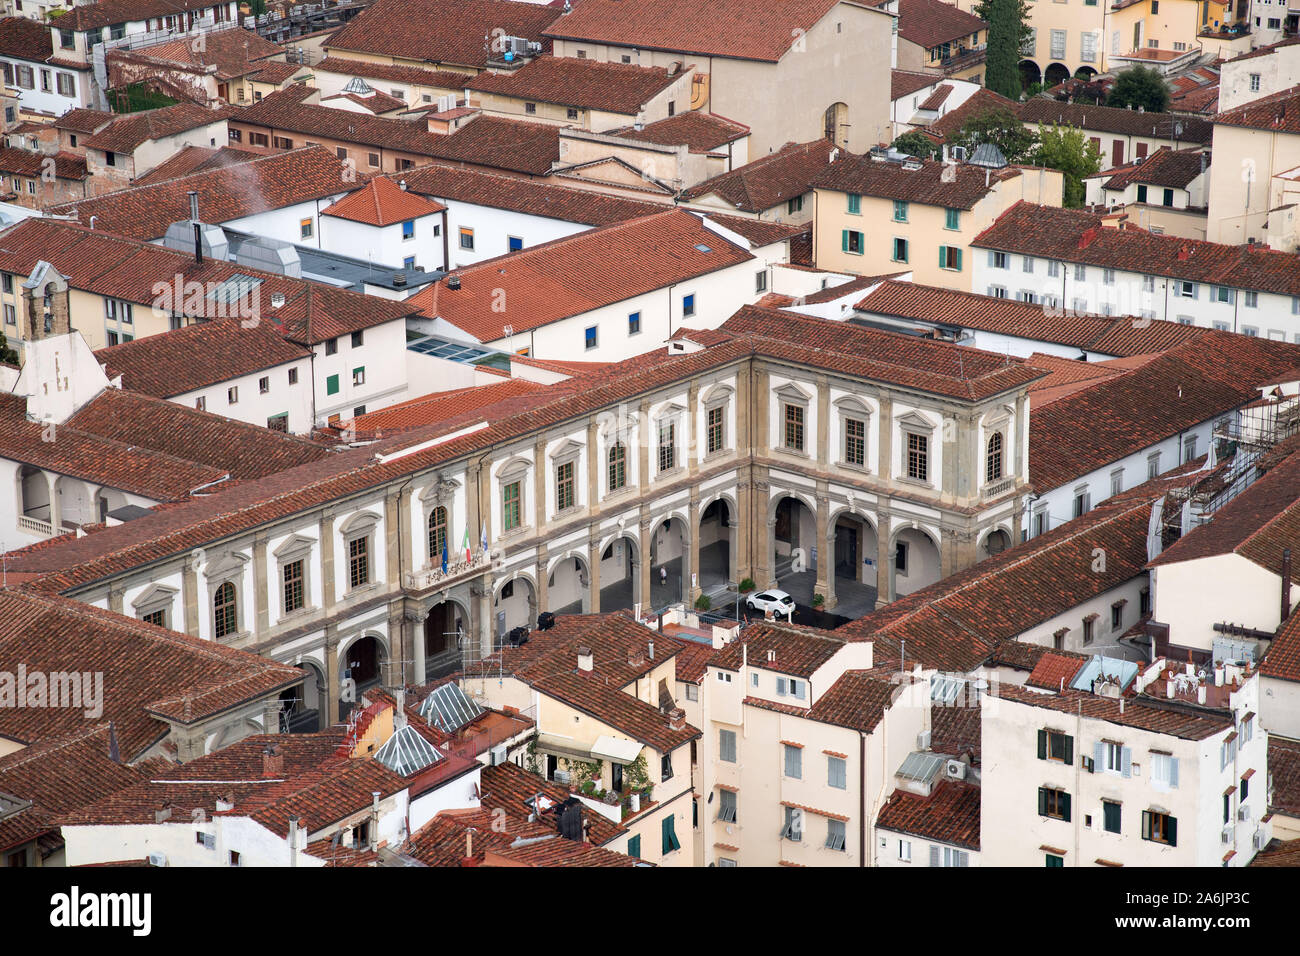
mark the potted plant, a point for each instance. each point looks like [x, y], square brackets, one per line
[746, 585]
[818, 600]
[703, 603]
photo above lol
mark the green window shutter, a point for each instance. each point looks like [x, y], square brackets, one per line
[1069, 749]
[943, 261]
[1042, 745]
[1173, 832]
[844, 241]
[1042, 802]
[958, 266]
[332, 385]
[670, 836]
[634, 846]
[1065, 807]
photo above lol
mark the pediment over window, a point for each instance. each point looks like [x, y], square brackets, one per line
[718, 394]
[514, 469]
[567, 451]
[154, 598]
[294, 547]
[852, 405]
[359, 523]
[790, 392]
[226, 565]
[440, 489]
[916, 422]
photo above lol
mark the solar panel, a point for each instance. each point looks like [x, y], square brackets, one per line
[448, 708]
[452, 351]
[406, 752]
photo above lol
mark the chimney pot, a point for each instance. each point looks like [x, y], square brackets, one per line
[585, 662]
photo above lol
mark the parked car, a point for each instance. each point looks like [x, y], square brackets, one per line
[779, 602]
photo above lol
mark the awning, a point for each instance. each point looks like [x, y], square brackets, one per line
[615, 748]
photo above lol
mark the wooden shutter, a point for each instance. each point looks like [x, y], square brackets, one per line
[844, 241]
[1173, 771]
[1098, 757]
[1146, 824]
[1042, 802]
[1173, 831]
[1042, 745]
[1069, 748]
[1065, 807]
[958, 267]
[943, 257]
[934, 855]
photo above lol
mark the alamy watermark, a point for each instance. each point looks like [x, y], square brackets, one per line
[25, 688]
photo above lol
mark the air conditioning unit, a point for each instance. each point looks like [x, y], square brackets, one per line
[561, 776]
[923, 740]
[955, 770]
[497, 756]
[157, 859]
[1259, 840]
[1228, 833]
[1243, 813]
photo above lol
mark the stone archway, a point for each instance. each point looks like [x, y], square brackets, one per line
[301, 710]
[620, 582]
[568, 585]
[1055, 73]
[669, 561]
[361, 667]
[994, 543]
[915, 562]
[835, 124]
[717, 550]
[513, 605]
[444, 631]
[1030, 73]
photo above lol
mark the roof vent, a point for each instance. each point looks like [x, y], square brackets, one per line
[277, 299]
[399, 279]
[453, 282]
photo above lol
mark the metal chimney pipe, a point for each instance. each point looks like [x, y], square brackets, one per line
[1286, 584]
[194, 219]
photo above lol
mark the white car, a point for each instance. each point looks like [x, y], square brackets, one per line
[776, 601]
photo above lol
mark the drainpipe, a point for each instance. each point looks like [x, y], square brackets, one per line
[862, 803]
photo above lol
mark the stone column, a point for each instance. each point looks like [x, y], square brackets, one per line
[539, 486]
[393, 538]
[825, 546]
[644, 564]
[822, 453]
[331, 704]
[56, 506]
[761, 400]
[190, 596]
[691, 564]
[406, 542]
[884, 558]
[593, 467]
[326, 532]
[593, 565]
[115, 597]
[271, 716]
[261, 596]
[692, 429]
[743, 564]
[482, 596]
[413, 621]
[886, 438]
[540, 592]
[764, 542]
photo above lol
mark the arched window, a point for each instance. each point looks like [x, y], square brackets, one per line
[437, 532]
[225, 614]
[993, 466]
[617, 466]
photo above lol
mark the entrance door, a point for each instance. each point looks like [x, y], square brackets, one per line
[846, 551]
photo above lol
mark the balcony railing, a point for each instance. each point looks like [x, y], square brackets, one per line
[457, 570]
[996, 488]
[964, 56]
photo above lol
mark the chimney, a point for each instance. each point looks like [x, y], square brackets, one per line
[469, 843]
[401, 184]
[277, 299]
[585, 662]
[453, 282]
[771, 654]
[676, 718]
[1286, 584]
[272, 761]
[194, 219]
[1184, 252]
[293, 841]
[652, 650]
[399, 279]
[1088, 238]
[374, 821]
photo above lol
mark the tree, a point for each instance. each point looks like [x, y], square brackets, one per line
[7, 355]
[1067, 149]
[1007, 33]
[916, 143]
[1003, 129]
[1140, 86]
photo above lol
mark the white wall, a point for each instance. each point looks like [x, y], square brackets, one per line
[383, 356]
[255, 406]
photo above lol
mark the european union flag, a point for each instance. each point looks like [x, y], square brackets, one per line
[444, 555]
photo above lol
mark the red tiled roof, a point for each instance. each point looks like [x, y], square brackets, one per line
[1113, 119]
[857, 700]
[417, 76]
[770, 180]
[759, 232]
[783, 648]
[25, 39]
[964, 619]
[195, 159]
[125, 133]
[1257, 525]
[939, 96]
[235, 52]
[503, 191]
[1142, 713]
[928, 23]
[104, 13]
[1165, 167]
[374, 102]
[701, 132]
[382, 202]
[1074, 235]
[934, 183]
[955, 729]
[731, 29]
[23, 162]
[1070, 375]
[440, 31]
[1054, 671]
[492, 141]
[198, 355]
[980, 102]
[903, 82]
[81, 120]
[428, 409]
[951, 814]
[149, 673]
[1185, 386]
[1279, 112]
[270, 182]
[586, 84]
[579, 273]
[1279, 853]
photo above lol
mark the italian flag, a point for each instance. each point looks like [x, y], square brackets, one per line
[465, 544]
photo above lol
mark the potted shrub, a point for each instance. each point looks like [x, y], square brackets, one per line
[818, 600]
[703, 603]
[746, 585]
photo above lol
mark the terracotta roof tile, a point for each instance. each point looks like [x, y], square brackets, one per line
[586, 84]
[417, 76]
[1112, 119]
[269, 182]
[1165, 167]
[934, 183]
[929, 23]
[770, 180]
[195, 159]
[23, 162]
[235, 52]
[857, 700]
[382, 202]
[951, 814]
[728, 28]
[142, 666]
[1054, 671]
[81, 120]
[25, 39]
[782, 648]
[982, 101]
[1279, 112]
[439, 406]
[701, 132]
[1148, 714]
[903, 82]
[128, 132]
[440, 31]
